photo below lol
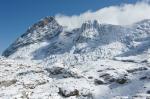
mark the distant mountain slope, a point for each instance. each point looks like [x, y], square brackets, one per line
[47, 38]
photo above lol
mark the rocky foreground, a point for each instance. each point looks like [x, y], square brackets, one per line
[101, 79]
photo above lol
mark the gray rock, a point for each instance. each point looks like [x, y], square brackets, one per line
[98, 82]
[137, 69]
[64, 93]
[8, 83]
[121, 80]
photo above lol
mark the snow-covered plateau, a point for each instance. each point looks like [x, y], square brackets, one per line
[94, 61]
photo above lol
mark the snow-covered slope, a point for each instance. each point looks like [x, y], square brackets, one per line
[95, 61]
[101, 79]
[47, 38]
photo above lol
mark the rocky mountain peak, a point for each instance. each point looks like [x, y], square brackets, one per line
[43, 30]
[42, 23]
[90, 24]
[105, 40]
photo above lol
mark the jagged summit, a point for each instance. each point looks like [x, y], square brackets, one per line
[43, 30]
[42, 23]
[90, 24]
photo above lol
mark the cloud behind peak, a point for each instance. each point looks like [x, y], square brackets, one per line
[118, 15]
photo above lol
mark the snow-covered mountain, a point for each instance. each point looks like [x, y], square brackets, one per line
[94, 61]
[47, 38]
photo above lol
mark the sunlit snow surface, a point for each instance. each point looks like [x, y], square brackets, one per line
[35, 81]
[95, 61]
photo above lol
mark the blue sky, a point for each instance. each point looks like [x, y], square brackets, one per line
[17, 15]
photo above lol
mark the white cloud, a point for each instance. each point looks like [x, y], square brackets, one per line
[118, 15]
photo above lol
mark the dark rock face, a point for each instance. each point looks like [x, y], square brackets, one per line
[62, 72]
[110, 78]
[98, 82]
[90, 24]
[148, 92]
[121, 80]
[64, 93]
[90, 77]
[55, 70]
[43, 30]
[143, 78]
[8, 83]
[107, 77]
[41, 23]
[137, 69]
